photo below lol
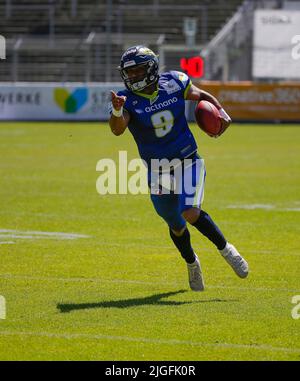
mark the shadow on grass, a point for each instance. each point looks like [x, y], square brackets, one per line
[126, 303]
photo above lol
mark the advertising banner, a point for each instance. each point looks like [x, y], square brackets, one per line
[276, 44]
[244, 101]
[247, 101]
[56, 101]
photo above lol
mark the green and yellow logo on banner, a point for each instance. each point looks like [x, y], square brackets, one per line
[71, 102]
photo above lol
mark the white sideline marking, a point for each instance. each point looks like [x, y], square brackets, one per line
[251, 206]
[10, 233]
[263, 207]
[6, 242]
[133, 281]
[70, 336]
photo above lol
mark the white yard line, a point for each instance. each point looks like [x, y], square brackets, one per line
[134, 281]
[251, 206]
[33, 234]
[76, 336]
[271, 207]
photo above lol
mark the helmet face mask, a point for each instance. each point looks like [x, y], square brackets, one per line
[139, 68]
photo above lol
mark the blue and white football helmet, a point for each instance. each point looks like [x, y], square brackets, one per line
[139, 56]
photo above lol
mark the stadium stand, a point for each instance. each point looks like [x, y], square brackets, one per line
[79, 40]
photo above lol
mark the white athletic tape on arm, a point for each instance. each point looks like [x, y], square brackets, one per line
[117, 113]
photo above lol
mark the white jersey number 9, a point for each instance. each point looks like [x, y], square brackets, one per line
[162, 122]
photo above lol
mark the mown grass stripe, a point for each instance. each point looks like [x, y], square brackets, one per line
[72, 336]
[134, 281]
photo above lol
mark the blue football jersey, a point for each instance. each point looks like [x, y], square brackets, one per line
[157, 122]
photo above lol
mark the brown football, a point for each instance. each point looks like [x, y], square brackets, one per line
[208, 118]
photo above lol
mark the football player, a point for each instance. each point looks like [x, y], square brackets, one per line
[153, 108]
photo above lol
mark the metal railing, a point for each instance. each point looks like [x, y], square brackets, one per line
[232, 36]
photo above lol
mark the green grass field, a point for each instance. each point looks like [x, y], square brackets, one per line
[121, 293]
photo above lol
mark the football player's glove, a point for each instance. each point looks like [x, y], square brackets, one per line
[225, 120]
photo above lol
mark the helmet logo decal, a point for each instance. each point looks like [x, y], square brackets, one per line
[130, 51]
[129, 63]
[145, 51]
